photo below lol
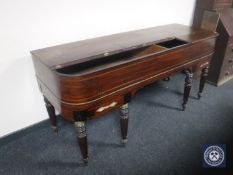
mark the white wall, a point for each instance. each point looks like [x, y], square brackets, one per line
[32, 24]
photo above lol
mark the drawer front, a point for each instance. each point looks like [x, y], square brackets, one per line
[227, 67]
[205, 4]
[229, 55]
[222, 4]
[226, 73]
[230, 41]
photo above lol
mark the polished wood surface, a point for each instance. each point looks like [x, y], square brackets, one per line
[82, 51]
[86, 79]
[204, 76]
[91, 84]
[187, 87]
[124, 114]
[52, 116]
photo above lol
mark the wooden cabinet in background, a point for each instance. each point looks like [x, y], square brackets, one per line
[221, 66]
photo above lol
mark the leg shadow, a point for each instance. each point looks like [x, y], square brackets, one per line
[100, 144]
[163, 106]
[58, 164]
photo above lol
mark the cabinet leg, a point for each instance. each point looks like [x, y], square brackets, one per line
[187, 88]
[124, 115]
[204, 75]
[82, 139]
[52, 116]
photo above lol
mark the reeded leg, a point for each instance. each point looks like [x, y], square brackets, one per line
[204, 75]
[82, 139]
[52, 116]
[187, 88]
[124, 114]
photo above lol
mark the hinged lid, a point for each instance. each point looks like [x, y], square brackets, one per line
[78, 52]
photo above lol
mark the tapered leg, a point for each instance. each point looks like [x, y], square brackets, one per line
[204, 75]
[124, 114]
[187, 88]
[82, 139]
[52, 116]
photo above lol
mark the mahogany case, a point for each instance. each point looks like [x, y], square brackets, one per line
[97, 74]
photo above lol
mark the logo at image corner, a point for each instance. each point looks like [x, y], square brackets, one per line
[214, 156]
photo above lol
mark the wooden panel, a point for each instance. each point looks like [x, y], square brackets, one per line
[222, 4]
[75, 89]
[201, 48]
[229, 50]
[219, 66]
[66, 110]
[78, 89]
[230, 41]
[46, 77]
[205, 4]
[140, 70]
[118, 99]
[227, 18]
[210, 20]
[107, 62]
[213, 4]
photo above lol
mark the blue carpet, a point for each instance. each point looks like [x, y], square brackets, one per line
[162, 139]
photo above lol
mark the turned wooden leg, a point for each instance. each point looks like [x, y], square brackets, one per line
[124, 114]
[82, 139]
[52, 116]
[204, 75]
[187, 88]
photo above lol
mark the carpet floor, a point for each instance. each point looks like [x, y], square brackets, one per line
[162, 139]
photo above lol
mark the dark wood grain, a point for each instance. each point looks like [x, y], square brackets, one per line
[204, 75]
[82, 51]
[87, 79]
[82, 139]
[124, 118]
[187, 87]
[52, 115]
